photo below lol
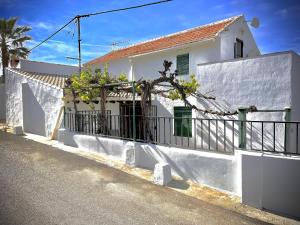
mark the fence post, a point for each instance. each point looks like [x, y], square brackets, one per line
[133, 112]
[287, 118]
[64, 119]
[242, 127]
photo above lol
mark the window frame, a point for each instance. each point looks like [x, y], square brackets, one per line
[236, 55]
[186, 130]
[188, 64]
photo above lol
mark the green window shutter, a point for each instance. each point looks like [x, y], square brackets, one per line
[183, 64]
[182, 122]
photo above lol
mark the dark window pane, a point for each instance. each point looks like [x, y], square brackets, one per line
[238, 48]
[183, 64]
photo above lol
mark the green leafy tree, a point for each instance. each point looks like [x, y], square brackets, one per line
[89, 86]
[12, 39]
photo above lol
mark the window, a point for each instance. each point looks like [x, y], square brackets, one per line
[238, 49]
[183, 122]
[183, 64]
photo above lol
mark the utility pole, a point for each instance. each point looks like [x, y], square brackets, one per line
[79, 40]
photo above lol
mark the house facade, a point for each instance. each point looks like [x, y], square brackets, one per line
[227, 64]
[219, 41]
[223, 40]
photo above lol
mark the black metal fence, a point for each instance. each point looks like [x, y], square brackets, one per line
[217, 135]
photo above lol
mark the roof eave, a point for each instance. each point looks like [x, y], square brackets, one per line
[174, 47]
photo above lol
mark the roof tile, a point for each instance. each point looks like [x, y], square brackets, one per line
[50, 79]
[188, 36]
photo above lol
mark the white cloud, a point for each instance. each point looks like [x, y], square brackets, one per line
[220, 6]
[281, 12]
[57, 51]
[7, 3]
[43, 25]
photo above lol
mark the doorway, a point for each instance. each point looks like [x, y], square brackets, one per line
[126, 116]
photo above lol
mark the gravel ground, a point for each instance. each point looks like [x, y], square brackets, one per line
[42, 185]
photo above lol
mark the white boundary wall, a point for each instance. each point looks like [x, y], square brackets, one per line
[269, 82]
[212, 169]
[2, 101]
[38, 102]
[271, 182]
[262, 180]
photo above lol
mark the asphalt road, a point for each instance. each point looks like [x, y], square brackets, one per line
[40, 184]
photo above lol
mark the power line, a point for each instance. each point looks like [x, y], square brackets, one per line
[94, 14]
[52, 35]
[123, 9]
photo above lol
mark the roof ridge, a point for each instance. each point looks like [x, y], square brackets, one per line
[46, 74]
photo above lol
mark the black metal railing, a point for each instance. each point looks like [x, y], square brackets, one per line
[217, 135]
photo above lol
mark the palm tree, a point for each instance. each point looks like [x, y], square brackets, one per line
[12, 38]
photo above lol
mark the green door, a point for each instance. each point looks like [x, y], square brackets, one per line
[183, 122]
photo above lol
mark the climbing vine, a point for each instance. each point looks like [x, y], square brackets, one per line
[89, 86]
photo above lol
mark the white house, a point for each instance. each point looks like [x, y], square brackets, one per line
[218, 41]
[227, 63]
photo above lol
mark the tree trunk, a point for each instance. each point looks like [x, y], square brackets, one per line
[102, 121]
[146, 108]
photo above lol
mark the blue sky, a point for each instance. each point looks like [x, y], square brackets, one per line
[279, 30]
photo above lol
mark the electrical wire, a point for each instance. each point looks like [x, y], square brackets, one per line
[94, 14]
[52, 35]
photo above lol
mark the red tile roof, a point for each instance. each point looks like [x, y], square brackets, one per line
[188, 36]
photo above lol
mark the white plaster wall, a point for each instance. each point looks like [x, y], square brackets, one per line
[48, 99]
[115, 67]
[263, 81]
[81, 106]
[240, 30]
[1, 72]
[148, 65]
[211, 169]
[50, 68]
[108, 146]
[271, 182]
[2, 101]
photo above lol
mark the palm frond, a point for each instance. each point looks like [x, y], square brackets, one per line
[19, 41]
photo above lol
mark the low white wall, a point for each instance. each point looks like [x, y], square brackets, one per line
[211, 169]
[271, 182]
[108, 146]
[2, 102]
